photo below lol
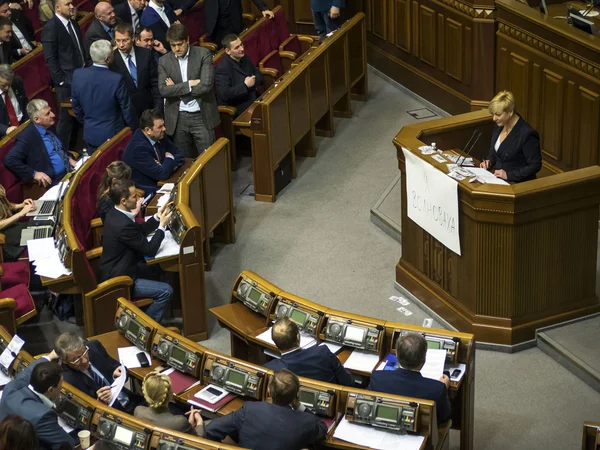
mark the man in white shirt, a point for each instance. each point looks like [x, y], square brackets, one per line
[130, 12]
[185, 80]
[13, 106]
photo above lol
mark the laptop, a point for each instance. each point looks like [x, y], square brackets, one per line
[43, 231]
[46, 207]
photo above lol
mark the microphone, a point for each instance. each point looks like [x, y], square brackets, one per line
[470, 149]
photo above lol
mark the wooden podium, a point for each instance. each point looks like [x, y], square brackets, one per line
[529, 250]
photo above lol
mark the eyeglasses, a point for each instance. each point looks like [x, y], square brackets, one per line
[83, 355]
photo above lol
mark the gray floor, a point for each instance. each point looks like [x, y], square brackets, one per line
[318, 242]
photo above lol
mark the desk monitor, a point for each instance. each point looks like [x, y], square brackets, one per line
[449, 343]
[302, 312]
[354, 333]
[177, 351]
[134, 324]
[254, 293]
[177, 225]
[381, 412]
[124, 431]
[74, 407]
[234, 375]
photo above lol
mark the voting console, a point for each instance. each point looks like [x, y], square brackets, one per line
[353, 331]
[123, 430]
[177, 351]
[380, 412]
[234, 376]
[257, 294]
[134, 324]
[74, 407]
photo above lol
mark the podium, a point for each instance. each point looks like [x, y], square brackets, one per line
[528, 250]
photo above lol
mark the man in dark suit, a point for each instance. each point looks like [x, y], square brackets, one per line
[88, 367]
[130, 11]
[6, 50]
[22, 30]
[124, 247]
[326, 15]
[283, 424]
[185, 80]
[159, 16]
[102, 26]
[64, 53]
[144, 37]
[138, 68]
[100, 98]
[151, 156]
[236, 77]
[223, 17]
[30, 396]
[13, 106]
[38, 154]
[407, 380]
[315, 362]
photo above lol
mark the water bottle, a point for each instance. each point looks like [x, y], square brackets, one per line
[84, 154]
[433, 147]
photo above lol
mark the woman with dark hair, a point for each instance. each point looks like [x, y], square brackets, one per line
[17, 433]
[10, 214]
[116, 170]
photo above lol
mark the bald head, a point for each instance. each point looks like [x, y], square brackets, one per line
[284, 387]
[105, 13]
[285, 334]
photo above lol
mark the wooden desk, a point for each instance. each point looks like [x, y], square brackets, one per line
[591, 436]
[546, 224]
[64, 284]
[230, 407]
[175, 176]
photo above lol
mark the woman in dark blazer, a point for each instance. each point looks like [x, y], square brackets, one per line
[515, 153]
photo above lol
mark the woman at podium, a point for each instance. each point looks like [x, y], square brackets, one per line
[515, 153]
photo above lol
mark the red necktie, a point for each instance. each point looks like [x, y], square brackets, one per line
[10, 109]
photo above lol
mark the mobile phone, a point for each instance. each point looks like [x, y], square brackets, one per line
[455, 373]
[213, 391]
[141, 356]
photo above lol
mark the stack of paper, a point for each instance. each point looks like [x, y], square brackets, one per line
[45, 258]
[485, 177]
[166, 188]
[128, 356]
[168, 247]
[52, 193]
[376, 438]
[162, 200]
[361, 360]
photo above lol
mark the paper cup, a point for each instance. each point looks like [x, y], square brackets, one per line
[84, 438]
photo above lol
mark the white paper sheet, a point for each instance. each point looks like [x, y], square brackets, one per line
[64, 425]
[10, 352]
[484, 176]
[168, 246]
[52, 193]
[128, 356]
[4, 380]
[162, 200]
[334, 348]
[51, 266]
[376, 438]
[117, 386]
[361, 360]
[306, 340]
[40, 248]
[167, 187]
[434, 364]
[80, 162]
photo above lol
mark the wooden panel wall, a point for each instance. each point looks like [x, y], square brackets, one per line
[557, 93]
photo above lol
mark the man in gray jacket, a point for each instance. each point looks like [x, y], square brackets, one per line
[185, 79]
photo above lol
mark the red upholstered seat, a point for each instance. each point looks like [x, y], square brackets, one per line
[272, 61]
[292, 44]
[9, 180]
[84, 198]
[194, 21]
[25, 306]
[15, 273]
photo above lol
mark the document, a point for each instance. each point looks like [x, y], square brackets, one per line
[162, 200]
[51, 266]
[64, 425]
[117, 386]
[40, 248]
[165, 188]
[334, 348]
[361, 360]
[376, 438]
[52, 193]
[434, 364]
[10, 352]
[80, 163]
[4, 380]
[128, 356]
[168, 247]
[484, 176]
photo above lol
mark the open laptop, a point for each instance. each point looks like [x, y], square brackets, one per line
[46, 207]
[43, 231]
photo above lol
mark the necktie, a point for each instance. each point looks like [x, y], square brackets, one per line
[58, 148]
[100, 381]
[10, 109]
[135, 21]
[132, 69]
[156, 150]
[76, 42]
[111, 33]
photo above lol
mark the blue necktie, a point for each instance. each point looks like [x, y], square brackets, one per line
[58, 148]
[100, 381]
[132, 69]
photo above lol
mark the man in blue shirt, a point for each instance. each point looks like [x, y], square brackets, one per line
[326, 14]
[103, 25]
[38, 154]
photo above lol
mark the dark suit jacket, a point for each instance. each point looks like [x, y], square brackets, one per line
[7, 54]
[101, 102]
[315, 362]
[101, 360]
[22, 22]
[519, 155]
[61, 53]
[200, 67]
[325, 5]
[413, 384]
[145, 95]
[124, 14]
[152, 20]
[124, 244]
[94, 33]
[29, 155]
[266, 426]
[140, 156]
[229, 80]
[18, 399]
[211, 14]
[19, 90]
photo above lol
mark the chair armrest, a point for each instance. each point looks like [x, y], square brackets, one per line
[287, 54]
[308, 39]
[269, 72]
[1, 271]
[94, 253]
[8, 303]
[120, 281]
[143, 302]
[209, 45]
[74, 155]
[231, 110]
[96, 223]
[249, 16]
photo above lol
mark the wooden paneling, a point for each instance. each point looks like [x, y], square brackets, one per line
[552, 105]
[427, 35]
[589, 120]
[454, 49]
[379, 13]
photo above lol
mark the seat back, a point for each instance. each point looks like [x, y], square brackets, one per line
[83, 193]
[10, 182]
[35, 75]
[194, 21]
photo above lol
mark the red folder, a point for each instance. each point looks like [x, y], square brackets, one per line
[181, 381]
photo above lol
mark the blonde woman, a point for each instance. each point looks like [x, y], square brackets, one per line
[10, 227]
[158, 392]
[515, 153]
